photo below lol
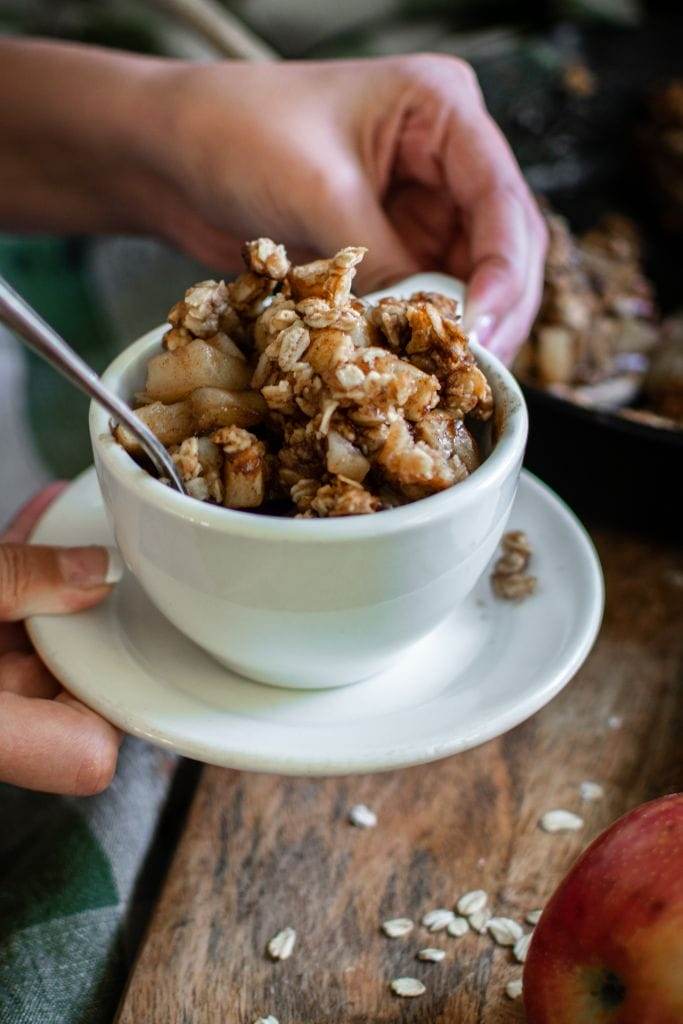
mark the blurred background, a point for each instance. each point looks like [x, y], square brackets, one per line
[570, 82]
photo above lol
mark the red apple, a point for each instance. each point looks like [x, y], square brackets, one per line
[608, 948]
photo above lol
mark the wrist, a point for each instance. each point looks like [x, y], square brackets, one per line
[82, 128]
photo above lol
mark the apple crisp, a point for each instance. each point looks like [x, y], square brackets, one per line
[599, 340]
[282, 392]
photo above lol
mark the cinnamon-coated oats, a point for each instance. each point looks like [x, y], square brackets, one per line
[281, 391]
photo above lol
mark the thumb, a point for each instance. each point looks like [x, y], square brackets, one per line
[38, 580]
[360, 220]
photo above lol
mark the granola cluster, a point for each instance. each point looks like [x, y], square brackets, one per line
[282, 388]
[510, 579]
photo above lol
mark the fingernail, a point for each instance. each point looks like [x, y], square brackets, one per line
[90, 567]
[116, 566]
[480, 328]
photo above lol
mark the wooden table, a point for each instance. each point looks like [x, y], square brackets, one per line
[260, 852]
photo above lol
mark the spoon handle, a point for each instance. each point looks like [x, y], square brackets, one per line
[17, 314]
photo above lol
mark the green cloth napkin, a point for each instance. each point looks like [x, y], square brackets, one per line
[77, 880]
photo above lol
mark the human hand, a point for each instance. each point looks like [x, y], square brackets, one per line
[397, 154]
[49, 741]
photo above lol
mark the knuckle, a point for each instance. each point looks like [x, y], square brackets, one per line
[439, 70]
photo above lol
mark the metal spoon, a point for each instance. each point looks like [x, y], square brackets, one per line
[17, 314]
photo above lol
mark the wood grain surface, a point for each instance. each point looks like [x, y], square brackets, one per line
[260, 852]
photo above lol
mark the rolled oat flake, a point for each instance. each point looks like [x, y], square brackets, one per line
[281, 945]
[479, 921]
[397, 927]
[407, 987]
[437, 920]
[513, 989]
[458, 927]
[521, 948]
[472, 902]
[561, 821]
[431, 955]
[362, 817]
[504, 930]
[591, 791]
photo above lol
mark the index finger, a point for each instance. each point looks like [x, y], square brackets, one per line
[504, 230]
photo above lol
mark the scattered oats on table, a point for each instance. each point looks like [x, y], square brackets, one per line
[521, 947]
[362, 817]
[437, 920]
[267, 1020]
[458, 927]
[281, 946]
[513, 989]
[509, 578]
[397, 927]
[472, 902]
[407, 987]
[615, 721]
[591, 791]
[560, 821]
[431, 955]
[479, 921]
[504, 930]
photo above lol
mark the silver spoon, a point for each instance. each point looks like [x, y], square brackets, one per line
[16, 313]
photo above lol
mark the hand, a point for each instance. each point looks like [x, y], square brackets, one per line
[48, 740]
[397, 154]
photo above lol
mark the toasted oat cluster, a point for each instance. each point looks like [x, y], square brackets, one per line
[510, 579]
[282, 390]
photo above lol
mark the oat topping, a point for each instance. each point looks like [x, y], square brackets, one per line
[510, 579]
[312, 400]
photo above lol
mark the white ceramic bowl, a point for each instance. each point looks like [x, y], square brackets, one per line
[309, 603]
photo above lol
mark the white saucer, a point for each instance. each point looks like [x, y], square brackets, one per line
[489, 667]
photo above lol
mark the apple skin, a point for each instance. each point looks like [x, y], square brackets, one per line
[608, 948]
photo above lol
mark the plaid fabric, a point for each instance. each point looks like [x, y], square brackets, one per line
[73, 893]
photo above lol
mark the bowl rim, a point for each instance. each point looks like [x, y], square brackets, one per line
[506, 455]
